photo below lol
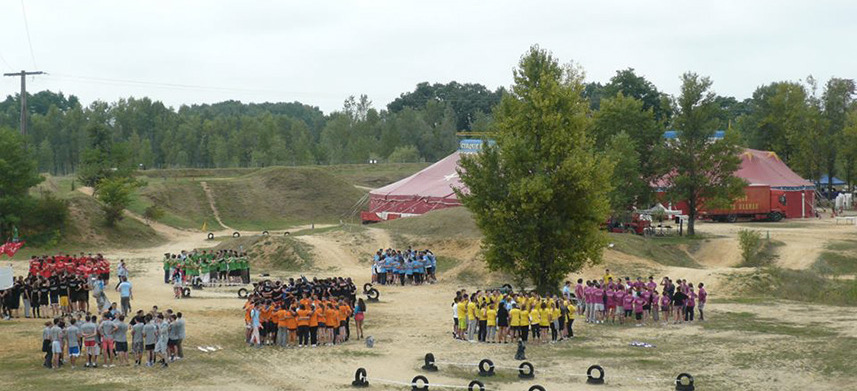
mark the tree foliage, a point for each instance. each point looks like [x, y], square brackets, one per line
[540, 194]
[702, 169]
[466, 100]
[115, 195]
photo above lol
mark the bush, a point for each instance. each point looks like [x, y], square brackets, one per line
[115, 195]
[404, 154]
[750, 243]
[44, 219]
[153, 213]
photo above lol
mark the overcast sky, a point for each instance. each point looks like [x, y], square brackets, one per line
[319, 52]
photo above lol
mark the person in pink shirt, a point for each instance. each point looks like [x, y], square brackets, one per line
[628, 303]
[598, 299]
[578, 294]
[652, 284]
[690, 304]
[646, 294]
[703, 297]
[587, 294]
[665, 307]
[639, 302]
[619, 299]
[611, 304]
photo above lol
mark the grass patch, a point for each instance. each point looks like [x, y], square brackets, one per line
[842, 245]
[669, 251]
[445, 263]
[766, 256]
[835, 263]
[374, 175]
[440, 224]
[272, 253]
[280, 197]
[750, 322]
[183, 202]
[800, 285]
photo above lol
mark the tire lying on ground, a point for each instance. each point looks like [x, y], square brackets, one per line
[242, 293]
[185, 292]
[367, 286]
[373, 294]
[210, 235]
[236, 234]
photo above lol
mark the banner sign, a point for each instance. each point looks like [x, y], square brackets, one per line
[6, 278]
[472, 145]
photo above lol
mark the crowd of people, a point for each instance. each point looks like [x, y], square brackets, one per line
[625, 301]
[411, 267]
[497, 317]
[63, 285]
[303, 313]
[155, 338]
[206, 268]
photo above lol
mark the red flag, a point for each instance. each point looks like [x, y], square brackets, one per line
[3, 249]
[11, 248]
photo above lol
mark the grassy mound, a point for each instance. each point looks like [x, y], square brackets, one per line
[375, 175]
[183, 202]
[800, 285]
[279, 197]
[86, 229]
[669, 251]
[445, 223]
[272, 253]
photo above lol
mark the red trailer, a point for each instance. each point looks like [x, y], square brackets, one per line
[758, 203]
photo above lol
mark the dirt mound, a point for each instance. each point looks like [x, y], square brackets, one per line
[86, 228]
[443, 223]
[272, 253]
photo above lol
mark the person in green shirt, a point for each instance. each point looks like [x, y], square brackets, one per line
[167, 268]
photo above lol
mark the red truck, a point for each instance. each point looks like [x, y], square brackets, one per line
[758, 203]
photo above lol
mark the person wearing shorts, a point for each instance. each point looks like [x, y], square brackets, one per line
[120, 338]
[72, 335]
[46, 344]
[105, 329]
[88, 330]
[150, 336]
[161, 344]
[56, 344]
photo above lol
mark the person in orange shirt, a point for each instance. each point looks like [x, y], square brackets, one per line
[303, 326]
[313, 325]
[248, 307]
[332, 322]
[344, 313]
[292, 325]
[282, 327]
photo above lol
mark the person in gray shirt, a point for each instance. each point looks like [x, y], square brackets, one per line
[163, 339]
[120, 338]
[137, 345]
[105, 329]
[150, 336]
[72, 335]
[56, 343]
[173, 338]
[88, 330]
[180, 333]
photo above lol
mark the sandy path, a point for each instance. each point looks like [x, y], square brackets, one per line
[211, 204]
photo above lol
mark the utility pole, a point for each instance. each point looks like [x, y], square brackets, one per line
[23, 75]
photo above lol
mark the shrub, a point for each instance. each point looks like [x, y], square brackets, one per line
[750, 242]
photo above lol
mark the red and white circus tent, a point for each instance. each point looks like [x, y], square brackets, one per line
[425, 191]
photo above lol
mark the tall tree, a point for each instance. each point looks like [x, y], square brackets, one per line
[18, 173]
[466, 99]
[630, 84]
[703, 168]
[849, 148]
[540, 195]
[837, 98]
[625, 114]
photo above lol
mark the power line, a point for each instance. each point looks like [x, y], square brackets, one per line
[5, 62]
[23, 75]
[27, 27]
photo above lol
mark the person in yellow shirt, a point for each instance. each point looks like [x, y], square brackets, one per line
[524, 323]
[471, 318]
[482, 317]
[535, 318]
[572, 312]
[556, 327]
[491, 322]
[462, 316]
[544, 322]
[514, 322]
[607, 276]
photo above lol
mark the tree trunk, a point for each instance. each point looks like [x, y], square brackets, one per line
[691, 216]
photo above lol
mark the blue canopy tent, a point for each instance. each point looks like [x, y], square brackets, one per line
[836, 181]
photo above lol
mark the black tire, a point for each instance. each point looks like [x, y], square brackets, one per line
[429, 363]
[360, 378]
[526, 371]
[366, 287]
[775, 216]
[593, 379]
[416, 380]
[684, 382]
[507, 286]
[236, 234]
[476, 383]
[536, 388]
[265, 233]
[486, 367]
[185, 292]
[373, 294]
[210, 235]
[242, 293]
[286, 233]
[731, 219]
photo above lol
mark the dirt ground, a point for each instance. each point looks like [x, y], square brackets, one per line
[408, 322]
